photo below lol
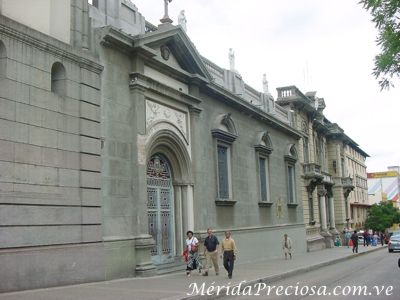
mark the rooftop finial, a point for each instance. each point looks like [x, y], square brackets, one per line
[166, 18]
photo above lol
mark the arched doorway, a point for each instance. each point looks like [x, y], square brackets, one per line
[160, 208]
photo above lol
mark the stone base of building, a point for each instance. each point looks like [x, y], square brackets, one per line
[39, 267]
[328, 238]
[315, 243]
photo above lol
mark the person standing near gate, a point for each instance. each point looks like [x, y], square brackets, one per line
[229, 252]
[211, 252]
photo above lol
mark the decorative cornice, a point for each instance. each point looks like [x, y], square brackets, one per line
[242, 105]
[265, 204]
[194, 111]
[224, 136]
[140, 81]
[262, 149]
[227, 202]
[36, 39]
[290, 159]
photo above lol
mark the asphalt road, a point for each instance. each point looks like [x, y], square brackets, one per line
[372, 276]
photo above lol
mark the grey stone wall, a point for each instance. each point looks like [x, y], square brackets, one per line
[49, 161]
[252, 224]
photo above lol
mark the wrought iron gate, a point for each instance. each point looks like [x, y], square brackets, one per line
[160, 208]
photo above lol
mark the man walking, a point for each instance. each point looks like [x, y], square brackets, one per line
[211, 252]
[229, 252]
[354, 239]
[287, 246]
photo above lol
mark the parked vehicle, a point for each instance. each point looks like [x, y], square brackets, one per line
[394, 243]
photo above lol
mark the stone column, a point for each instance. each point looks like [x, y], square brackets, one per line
[85, 25]
[322, 206]
[347, 208]
[332, 212]
[77, 22]
[188, 194]
[179, 231]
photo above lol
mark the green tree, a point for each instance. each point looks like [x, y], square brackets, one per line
[385, 15]
[381, 216]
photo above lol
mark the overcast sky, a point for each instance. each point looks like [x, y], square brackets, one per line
[325, 46]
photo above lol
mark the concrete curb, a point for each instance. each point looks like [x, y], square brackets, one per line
[277, 277]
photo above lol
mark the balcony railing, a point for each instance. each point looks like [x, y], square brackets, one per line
[327, 178]
[347, 182]
[215, 71]
[287, 92]
[149, 27]
[312, 169]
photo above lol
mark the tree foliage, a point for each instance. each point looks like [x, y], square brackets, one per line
[382, 216]
[386, 16]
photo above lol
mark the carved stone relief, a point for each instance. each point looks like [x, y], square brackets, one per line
[156, 113]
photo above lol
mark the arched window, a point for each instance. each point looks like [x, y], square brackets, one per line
[263, 149]
[3, 60]
[58, 79]
[224, 133]
[291, 159]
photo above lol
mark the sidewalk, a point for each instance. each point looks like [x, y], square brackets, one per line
[177, 285]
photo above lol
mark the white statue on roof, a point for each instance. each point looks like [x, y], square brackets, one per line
[265, 84]
[182, 19]
[231, 59]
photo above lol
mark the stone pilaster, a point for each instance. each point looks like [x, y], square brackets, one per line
[144, 266]
[321, 195]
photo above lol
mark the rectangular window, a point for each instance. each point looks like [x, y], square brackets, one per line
[291, 185]
[263, 178]
[223, 176]
[305, 150]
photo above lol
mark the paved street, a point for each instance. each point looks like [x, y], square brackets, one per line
[177, 285]
[377, 271]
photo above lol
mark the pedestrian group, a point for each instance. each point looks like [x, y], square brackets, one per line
[228, 252]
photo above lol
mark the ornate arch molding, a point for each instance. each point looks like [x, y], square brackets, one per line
[224, 129]
[172, 147]
[291, 153]
[263, 143]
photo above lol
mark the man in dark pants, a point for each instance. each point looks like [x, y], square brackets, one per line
[354, 239]
[229, 252]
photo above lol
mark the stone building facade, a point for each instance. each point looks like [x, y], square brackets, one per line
[334, 186]
[357, 203]
[316, 180]
[118, 137]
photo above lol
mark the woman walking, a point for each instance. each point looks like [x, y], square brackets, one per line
[192, 247]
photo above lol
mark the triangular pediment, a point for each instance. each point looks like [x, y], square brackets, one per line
[173, 47]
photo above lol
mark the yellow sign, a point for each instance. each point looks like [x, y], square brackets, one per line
[383, 174]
